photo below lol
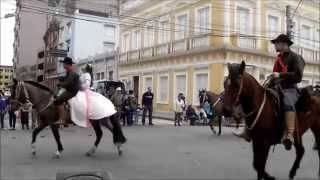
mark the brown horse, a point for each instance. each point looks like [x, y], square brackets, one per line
[242, 88]
[215, 101]
[28, 94]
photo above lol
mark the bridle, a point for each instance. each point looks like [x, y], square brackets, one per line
[257, 109]
[27, 105]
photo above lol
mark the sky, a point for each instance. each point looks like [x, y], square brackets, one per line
[7, 32]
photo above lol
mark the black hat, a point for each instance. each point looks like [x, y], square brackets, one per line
[282, 38]
[67, 60]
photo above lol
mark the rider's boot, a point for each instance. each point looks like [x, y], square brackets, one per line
[288, 138]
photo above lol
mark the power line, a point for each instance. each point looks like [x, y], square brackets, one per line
[155, 28]
[294, 13]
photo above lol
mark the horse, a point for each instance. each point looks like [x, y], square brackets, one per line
[215, 101]
[29, 94]
[260, 107]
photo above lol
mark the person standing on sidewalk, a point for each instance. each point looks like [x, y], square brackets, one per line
[178, 110]
[24, 117]
[12, 116]
[147, 101]
[3, 108]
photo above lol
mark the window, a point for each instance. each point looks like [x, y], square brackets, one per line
[164, 31]
[147, 83]
[148, 36]
[273, 24]
[136, 40]
[102, 75]
[203, 20]
[108, 46]
[163, 89]
[110, 75]
[181, 26]
[1, 77]
[126, 43]
[243, 17]
[98, 76]
[317, 38]
[6, 77]
[181, 85]
[110, 33]
[306, 34]
[1, 70]
[201, 82]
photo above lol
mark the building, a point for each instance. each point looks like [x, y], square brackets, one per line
[29, 29]
[183, 46]
[6, 73]
[104, 66]
[83, 30]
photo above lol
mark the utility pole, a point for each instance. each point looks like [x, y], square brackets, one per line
[289, 21]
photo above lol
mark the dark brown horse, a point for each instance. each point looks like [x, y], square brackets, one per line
[215, 101]
[242, 88]
[28, 94]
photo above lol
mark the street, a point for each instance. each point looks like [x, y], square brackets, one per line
[158, 152]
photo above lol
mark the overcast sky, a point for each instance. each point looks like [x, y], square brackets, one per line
[7, 32]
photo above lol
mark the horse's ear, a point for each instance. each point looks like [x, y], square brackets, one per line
[242, 67]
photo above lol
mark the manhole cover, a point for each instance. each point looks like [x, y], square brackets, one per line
[83, 176]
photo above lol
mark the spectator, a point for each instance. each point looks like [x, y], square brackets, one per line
[24, 117]
[191, 115]
[178, 109]
[118, 100]
[3, 108]
[12, 116]
[130, 107]
[147, 101]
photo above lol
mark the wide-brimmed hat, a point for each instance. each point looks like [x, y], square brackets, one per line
[67, 60]
[282, 38]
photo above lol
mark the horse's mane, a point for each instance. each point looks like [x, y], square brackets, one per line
[40, 86]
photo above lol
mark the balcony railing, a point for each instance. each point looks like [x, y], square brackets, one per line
[309, 55]
[147, 52]
[123, 57]
[200, 41]
[133, 55]
[180, 45]
[163, 49]
[247, 42]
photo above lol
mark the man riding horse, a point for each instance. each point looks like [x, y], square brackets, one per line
[71, 84]
[288, 69]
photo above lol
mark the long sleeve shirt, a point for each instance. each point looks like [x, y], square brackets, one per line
[71, 82]
[147, 99]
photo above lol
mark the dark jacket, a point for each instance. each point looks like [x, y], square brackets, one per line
[295, 66]
[3, 104]
[71, 82]
[147, 99]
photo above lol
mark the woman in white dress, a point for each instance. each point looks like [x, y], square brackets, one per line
[91, 108]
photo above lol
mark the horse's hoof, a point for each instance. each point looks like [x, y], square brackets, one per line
[120, 152]
[33, 153]
[88, 154]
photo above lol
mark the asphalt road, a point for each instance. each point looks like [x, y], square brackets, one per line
[159, 152]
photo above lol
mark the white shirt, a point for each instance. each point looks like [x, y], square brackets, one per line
[179, 106]
[85, 80]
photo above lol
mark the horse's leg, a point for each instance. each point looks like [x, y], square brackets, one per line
[55, 132]
[220, 124]
[35, 132]
[97, 129]
[260, 156]
[118, 137]
[299, 154]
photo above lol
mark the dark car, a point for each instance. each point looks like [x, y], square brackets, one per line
[107, 88]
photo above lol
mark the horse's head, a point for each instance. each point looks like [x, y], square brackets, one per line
[233, 86]
[202, 96]
[19, 95]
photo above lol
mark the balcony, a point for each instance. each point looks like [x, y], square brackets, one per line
[123, 57]
[309, 55]
[200, 41]
[163, 49]
[147, 52]
[247, 42]
[180, 45]
[133, 55]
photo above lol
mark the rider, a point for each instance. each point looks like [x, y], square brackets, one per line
[70, 84]
[288, 68]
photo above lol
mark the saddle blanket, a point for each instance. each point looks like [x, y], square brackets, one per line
[89, 105]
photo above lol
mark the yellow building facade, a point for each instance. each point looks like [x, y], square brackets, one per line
[6, 73]
[184, 46]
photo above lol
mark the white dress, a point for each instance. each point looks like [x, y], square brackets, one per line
[88, 104]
